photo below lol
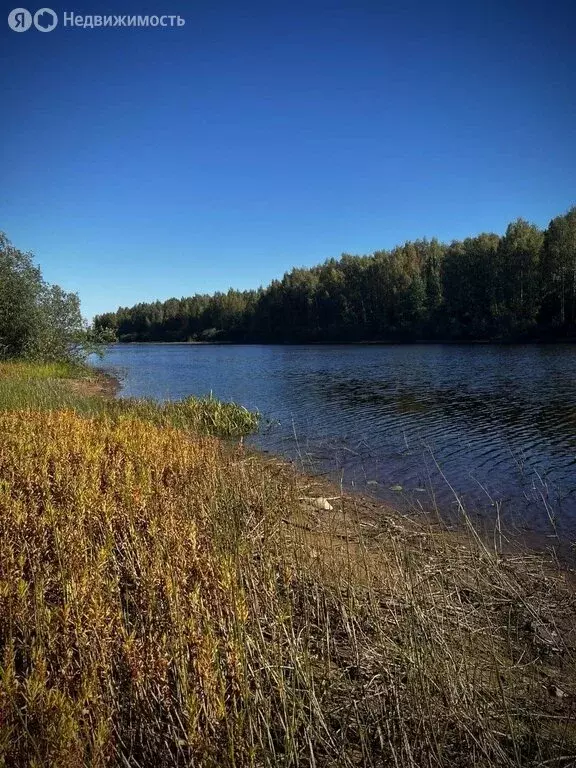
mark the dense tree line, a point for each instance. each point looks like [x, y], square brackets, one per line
[516, 286]
[37, 320]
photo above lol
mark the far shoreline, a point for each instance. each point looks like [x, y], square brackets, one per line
[368, 343]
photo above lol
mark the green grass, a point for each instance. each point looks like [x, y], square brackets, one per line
[47, 386]
[35, 370]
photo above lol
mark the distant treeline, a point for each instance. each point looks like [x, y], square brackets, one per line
[519, 286]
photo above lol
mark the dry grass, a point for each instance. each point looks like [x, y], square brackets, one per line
[166, 600]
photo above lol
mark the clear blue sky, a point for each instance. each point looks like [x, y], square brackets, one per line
[142, 164]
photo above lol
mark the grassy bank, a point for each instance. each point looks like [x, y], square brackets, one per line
[167, 599]
[63, 386]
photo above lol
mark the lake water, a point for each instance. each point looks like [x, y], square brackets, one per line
[411, 424]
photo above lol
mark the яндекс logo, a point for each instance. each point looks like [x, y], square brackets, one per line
[20, 20]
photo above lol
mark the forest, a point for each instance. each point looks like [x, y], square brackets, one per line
[518, 286]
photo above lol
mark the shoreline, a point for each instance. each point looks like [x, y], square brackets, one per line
[379, 343]
[378, 513]
[512, 541]
[148, 562]
[102, 383]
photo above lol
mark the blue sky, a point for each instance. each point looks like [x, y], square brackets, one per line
[141, 164]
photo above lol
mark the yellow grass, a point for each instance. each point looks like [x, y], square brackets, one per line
[166, 600]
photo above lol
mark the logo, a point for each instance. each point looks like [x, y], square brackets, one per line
[20, 20]
[45, 20]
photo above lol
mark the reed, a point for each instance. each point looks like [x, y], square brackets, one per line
[168, 599]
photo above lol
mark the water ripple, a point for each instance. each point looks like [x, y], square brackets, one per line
[499, 421]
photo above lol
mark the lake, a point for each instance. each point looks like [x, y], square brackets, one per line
[411, 424]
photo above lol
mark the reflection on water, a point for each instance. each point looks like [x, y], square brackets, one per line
[497, 423]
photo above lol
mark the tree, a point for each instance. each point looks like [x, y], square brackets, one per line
[558, 272]
[518, 264]
[432, 256]
[469, 287]
[20, 288]
[60, 330]
[37, 320]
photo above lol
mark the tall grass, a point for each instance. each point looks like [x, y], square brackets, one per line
[168, 600]
[48, 386]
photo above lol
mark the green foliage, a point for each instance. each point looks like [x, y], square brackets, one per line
[558, 273]
[37, 321]
[20, 291]
[517, 286]
[519, 254]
